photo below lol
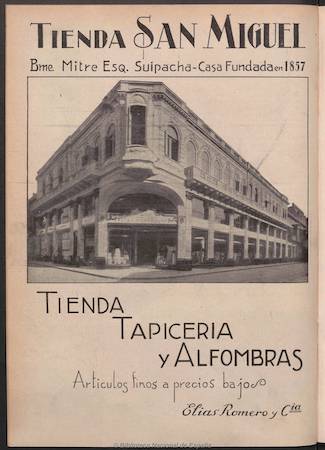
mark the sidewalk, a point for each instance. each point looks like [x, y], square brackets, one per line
[149, 273]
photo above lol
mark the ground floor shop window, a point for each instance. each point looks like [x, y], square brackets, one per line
[141, 246]
[120, 247]
[251, 248]
[278, 250]
[262, 249]
[220, 248]
[238, 248]
[199, 246]
[271, 250]
[89, 242]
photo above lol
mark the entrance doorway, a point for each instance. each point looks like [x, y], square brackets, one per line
[147, 247]
[142, 230]
[142, 245]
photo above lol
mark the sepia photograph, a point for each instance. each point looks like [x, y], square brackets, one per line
[162, 225]
[177, 180]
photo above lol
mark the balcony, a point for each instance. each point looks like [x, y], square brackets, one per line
[139, 161]
[208, 185]
[84, 178]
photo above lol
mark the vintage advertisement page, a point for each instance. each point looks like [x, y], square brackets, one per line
[161, 166]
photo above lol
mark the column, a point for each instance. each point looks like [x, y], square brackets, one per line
[246, 219]
[267, 254]
[211, 232]
[38, 245]
[96, 197]
[230, 254]
[71, 240]
[287, 245]
[102, 239]
[184, 234]
[55, 235]
[47, 221]
[81, 244]
[135, 247]
[257, 252]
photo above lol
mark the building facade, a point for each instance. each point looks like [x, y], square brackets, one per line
[145, 181]
[298, 232]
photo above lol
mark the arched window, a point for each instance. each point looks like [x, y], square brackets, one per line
[251, 191]
[50, 182]
[76, 161]
[61, 175]
[110, 142]
[96, 149]
[171, 144]
[227, 176]
[205, 162]
[190, 154]
[217, 170]
[256, 194]
[138, 125]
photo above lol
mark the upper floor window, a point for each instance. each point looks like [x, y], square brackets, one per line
[172, 144]
[96, 152]
[256, 194]
[238, 220]
[251, 191]
[191, 154]
[205, 162]
[60, 216]
[221, 215]
[84, 159]
[217, 170]
[252, 224]
[60, 175]
[89, 206]
[75, 211]
[110, 143]
[138, 124]
[199, 208]
[49, 183]
[237, 185]
[263, 227]
[244, 189]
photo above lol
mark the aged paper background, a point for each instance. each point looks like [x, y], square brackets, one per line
[46, 351]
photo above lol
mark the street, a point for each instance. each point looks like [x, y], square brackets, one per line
[277, 273]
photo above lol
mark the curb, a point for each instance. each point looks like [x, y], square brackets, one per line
[183, 275]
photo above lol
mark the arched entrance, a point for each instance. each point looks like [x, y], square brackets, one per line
[142, 230]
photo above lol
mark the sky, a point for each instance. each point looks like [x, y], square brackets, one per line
[264, 120]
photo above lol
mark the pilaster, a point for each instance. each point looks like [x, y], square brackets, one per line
[230, 252]
[257, 250]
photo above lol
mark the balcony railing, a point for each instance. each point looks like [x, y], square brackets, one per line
[84, 178]
[198, 179]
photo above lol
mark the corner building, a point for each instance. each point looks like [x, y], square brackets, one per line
[144, 180]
